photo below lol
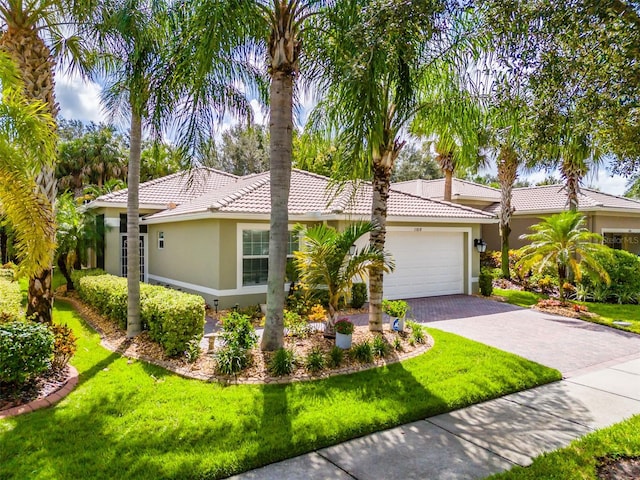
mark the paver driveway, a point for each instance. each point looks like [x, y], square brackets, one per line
[572, 346]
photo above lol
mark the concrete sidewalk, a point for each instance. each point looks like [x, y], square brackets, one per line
[480, 440]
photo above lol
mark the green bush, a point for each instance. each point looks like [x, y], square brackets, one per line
[362, 352]
[26, 349]
[173, 318]
[7, 274]
[335, 357]
[380, 347]
[231, 359]
[295, 325]
[485, 282]
[10, 301]
[358, 295]
[624, 271]
[282, 363]
[237, 330]
[315, 360]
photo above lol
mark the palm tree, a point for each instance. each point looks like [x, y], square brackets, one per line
[374, 61]
[326, 260]
[557, 242]
[271, 29]
[27, 145]
[25, 24]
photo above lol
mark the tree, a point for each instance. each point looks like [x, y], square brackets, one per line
[415, 163]
[375, 64]
[131, 34]
[633, 188]
[28, 25]
[326, 260]
[75, 234]
[315, 153]
[557, 242]
[244, 150]
[159, 159]
[27, 146]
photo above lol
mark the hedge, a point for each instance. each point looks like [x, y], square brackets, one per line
[624, 271]
[10, 301]
[26, 349]
[173, 319]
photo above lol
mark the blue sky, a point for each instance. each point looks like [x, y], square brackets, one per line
[80, 100]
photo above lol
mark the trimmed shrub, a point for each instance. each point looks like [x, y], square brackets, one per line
[10, 301]
[25, 351]
[358, 295]
[624, 271]
[173, 318]
[282, 363]
[485, 282]
[64, 346]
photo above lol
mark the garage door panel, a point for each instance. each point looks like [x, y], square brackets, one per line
[427, 264]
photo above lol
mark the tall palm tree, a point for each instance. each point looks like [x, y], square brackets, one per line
[374, 61]
[26, 23]
[273, 30]
[561, 241]
[27, 145]
[326, 260]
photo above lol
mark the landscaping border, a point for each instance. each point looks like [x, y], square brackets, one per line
[51, 399]
[85, 311]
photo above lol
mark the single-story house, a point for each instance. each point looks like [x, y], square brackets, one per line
[616, 218]
[210, 236]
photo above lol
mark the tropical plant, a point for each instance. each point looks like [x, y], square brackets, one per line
[362, 352]
[76, 233]
[282, 363]
[315, 361]
[562, 241]
[27, 146]
[395, 308]
[373, 60]
[326, 260]
[335, 357]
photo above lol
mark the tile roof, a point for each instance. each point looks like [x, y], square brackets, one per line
[311, 194]
[459, 188]
[554, 198]
[176, 188]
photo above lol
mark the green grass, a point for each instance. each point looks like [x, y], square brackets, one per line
[580, 459]
[129, 419]
[608, 312]
[518, 297]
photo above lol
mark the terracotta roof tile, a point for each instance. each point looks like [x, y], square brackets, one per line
[177, 188]
[459, 188]
[312, 193]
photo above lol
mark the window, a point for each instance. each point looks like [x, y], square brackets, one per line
[160, 239]
[255, 255]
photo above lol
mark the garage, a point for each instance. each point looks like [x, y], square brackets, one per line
[428, 263]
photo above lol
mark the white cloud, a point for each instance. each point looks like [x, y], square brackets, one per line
[79, 99]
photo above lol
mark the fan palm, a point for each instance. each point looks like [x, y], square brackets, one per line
[557, 242]
[326, 261]
[27, 145]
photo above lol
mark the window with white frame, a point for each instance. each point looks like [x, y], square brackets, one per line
[160, 240]
[255, 255]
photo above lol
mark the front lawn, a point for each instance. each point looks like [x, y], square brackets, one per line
[129, 419]
[581, 458]
[521, 298]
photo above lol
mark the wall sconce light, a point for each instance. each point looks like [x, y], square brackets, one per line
[352, 250]
[215, 303]
[480, 245]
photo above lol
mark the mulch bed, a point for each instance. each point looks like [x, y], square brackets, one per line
[204, 368]
[619, 468]
[40, 387]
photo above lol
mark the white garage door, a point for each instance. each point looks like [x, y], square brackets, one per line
[427, 264]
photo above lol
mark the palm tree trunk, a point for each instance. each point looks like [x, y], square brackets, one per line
[448, 181]
[35, 63]
[3, 245]
[507, 174]
[281, 129]
[134, 325]
[380, 185]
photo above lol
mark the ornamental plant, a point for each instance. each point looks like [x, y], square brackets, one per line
[395, 308]
[344, 326]
[26, 349]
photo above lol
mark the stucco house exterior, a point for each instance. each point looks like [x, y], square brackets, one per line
[616, 218]
[210, 235]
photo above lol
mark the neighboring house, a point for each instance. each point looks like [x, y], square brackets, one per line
[617, 219]
[214, 241]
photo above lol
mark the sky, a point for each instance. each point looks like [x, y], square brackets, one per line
[80, 100]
